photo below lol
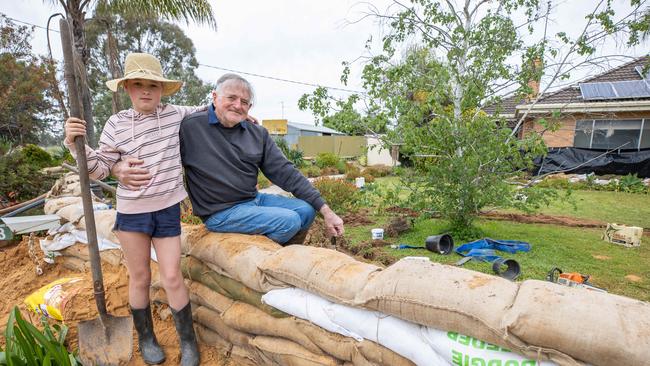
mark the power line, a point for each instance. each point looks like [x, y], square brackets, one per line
[283, 80]
[236, 71]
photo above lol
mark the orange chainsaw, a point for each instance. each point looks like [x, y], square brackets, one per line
[571, 279]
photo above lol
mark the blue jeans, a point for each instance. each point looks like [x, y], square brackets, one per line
[277, 217]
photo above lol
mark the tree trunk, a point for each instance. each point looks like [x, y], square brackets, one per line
[111, 53]
[77, 17]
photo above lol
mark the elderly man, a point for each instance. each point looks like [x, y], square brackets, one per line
[222, 153]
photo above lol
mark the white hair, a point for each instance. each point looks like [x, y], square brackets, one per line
[234, 78]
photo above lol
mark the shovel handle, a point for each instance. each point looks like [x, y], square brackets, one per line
[91, 230]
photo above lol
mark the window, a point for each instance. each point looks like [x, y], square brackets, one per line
[612, 134]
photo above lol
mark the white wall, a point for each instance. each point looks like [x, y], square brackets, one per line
[376, 154]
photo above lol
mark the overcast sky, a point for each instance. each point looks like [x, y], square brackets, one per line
[300, 40]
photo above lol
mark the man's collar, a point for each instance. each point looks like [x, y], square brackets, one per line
[214, 120]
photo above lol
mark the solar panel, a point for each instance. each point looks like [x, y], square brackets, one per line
[615, 90]
[597, 91]
[639, 69]
[631, 89]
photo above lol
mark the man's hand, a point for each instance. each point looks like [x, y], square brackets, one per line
[333, 222]
[252, 120]
[129, 175]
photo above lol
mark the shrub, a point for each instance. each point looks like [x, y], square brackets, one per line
[21, 180]
[340, 166]
[329, 170]
[295, 156]
[378, 170]
[327, 160]
[310, 171]
[262, 181]
[631, 184]
[340, 195]
[34, 155]
[26, 345]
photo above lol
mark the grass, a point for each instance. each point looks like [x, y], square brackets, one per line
[571, 249]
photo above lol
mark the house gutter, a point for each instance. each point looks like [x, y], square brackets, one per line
[628, 106]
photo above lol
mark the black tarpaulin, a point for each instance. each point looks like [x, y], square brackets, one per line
[579, 161]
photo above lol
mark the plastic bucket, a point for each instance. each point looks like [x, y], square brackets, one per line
[377, 234]
[359, 182]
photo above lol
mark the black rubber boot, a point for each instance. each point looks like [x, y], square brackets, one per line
[185, 329]
[151, 352]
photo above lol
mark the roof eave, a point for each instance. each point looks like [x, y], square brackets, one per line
[620, 106]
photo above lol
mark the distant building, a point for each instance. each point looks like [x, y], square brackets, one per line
[291, 131]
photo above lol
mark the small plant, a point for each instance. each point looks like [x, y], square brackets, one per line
[324, 160]
[262, 181]
[26, 345]
[310, 171]
[295, 156]
[378, 171]
[329, 170]
[340, 195]
[631, 184]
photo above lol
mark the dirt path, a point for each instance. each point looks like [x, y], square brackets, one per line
[18, 279]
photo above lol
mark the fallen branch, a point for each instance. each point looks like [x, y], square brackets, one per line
[100, 183]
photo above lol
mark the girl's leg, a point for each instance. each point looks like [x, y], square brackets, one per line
[168, 253]
[137, 252]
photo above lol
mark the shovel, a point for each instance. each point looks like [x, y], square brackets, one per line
[106, 340]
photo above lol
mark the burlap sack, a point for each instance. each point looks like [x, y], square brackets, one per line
[236, 355]
[71, 213]
[597, 328]
[80, 250]
[443, 297]
[213, 321]
[53, 205]
[75, 264]
[326, 272]
[237, 254]
[284, 352]
[104, 222]
[203, 295]
[212, 338]
[196, 270]
[191, 234]
[380, 355]
[250, 319]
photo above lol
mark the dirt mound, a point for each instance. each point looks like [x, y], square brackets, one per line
[18, 279]
[543, 219]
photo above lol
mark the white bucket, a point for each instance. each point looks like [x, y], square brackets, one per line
[377, 234]
[360, 182]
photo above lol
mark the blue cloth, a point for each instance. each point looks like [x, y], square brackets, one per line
[485, 249]
[277, 217]
[158, 224]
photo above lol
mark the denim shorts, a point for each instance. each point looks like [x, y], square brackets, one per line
[158, 224]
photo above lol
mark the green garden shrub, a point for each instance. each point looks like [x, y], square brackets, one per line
[295, 156]
[310, 171]
[34, 155]
[329, 170]
[340, 166]
[340, 195]
[21, 180]
[327, 160]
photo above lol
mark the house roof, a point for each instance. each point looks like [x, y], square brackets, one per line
[572, 94]
[307, 127]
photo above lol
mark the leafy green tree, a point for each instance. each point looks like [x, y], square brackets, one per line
[164, 40]
[24, 86]
[199, 11]
[440, 64]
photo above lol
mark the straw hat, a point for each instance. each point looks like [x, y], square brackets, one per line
[144, 66]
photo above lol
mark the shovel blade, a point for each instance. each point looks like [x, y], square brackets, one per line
[106, 341]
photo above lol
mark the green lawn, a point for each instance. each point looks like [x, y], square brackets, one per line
[571, 249]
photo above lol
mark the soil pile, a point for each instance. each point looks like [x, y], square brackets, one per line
[18, 279]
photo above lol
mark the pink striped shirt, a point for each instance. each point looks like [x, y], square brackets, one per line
[153, 138]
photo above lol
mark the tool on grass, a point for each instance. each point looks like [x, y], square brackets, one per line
[106, 340]
[571, 279]
[441, 244]
[484, 250]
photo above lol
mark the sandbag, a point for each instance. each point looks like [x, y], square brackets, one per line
[71, 213]
[594, 327]
[203, 295]
[236, 354]
[53, 205]
[112, 256]
[442, 297]
[212, 320]
[326, 272]
[104, 223]
[196, 270]
[75, 264]
[250, 319]
[284, 352]
[239, 255]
